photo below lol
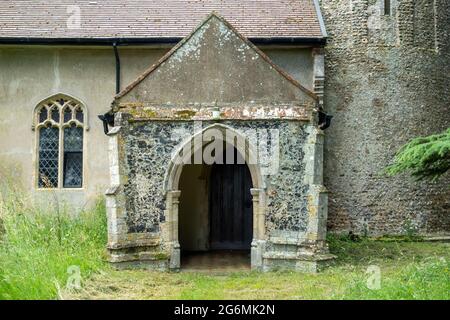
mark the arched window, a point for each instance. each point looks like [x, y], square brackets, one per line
[60, 128]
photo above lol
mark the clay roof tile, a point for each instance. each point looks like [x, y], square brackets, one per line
[155, 19]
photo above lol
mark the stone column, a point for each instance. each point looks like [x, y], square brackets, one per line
[114, 198]
[173, 230]
[318, 195]
[258, 240]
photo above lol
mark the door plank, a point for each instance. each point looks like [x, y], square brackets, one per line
[231, 212]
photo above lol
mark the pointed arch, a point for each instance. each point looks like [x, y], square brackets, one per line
[55, 97]
[60, 122]
[172, 192]
[247, 150]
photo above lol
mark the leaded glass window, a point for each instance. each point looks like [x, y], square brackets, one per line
[48, 157]
[79, 114]
[67, 114]
[55, 114]
[60, 143]
[43, 114]
[73, 157]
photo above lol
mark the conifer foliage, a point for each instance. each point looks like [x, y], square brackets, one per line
[424, 157]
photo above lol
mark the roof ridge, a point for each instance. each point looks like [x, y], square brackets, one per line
[182, 42]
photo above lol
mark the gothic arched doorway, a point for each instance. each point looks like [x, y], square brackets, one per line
[188, 192]
[216, 214]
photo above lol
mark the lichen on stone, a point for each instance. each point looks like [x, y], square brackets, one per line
[185, 114]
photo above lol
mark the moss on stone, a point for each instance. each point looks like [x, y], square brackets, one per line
[131, 105]
[185, 114]
[161, 255]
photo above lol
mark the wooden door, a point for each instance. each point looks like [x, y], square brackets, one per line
[230, 206]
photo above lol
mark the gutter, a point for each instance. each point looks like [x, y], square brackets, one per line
[116, 54]
[286, 41]
[108, 118]
[147, 41]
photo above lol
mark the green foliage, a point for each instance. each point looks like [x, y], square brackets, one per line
[429, 280]
[425, 157]
[37, 246]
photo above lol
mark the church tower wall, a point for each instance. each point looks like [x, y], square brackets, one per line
[387, 80]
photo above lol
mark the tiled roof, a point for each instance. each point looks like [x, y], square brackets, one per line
[153, 19]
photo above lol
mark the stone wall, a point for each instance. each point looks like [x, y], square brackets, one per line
[30, 74]
[289, 201]
[386, 82]
[148, 149]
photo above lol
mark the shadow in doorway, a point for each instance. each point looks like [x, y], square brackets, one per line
[215, 261]
[216, 215]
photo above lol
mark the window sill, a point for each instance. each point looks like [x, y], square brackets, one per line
[60, 189]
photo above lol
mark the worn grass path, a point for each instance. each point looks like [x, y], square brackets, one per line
[409, 270]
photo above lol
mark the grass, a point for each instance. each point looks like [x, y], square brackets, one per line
[409, 270]
[39, 247]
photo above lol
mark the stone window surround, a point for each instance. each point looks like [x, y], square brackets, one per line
[36, 125]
